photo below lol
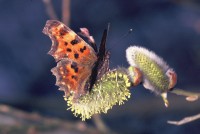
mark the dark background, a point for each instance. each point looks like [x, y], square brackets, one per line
[170, 28]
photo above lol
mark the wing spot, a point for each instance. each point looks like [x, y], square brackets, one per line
[74, 67]
[76, 70]
[74, 42]
[69, 50]
[66, 44]
[76, 56]
[74, 77]
[63, 32]
[82, 49]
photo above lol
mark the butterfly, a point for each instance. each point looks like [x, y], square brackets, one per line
[79, 65]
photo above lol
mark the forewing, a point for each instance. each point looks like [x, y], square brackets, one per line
[67, 44]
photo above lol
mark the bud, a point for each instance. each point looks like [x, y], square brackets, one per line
[157, 75]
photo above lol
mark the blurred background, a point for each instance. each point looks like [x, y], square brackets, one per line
[170, 28]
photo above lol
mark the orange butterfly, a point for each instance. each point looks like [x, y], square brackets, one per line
[79, 65]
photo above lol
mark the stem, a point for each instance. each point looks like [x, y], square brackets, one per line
[17, 121]
[100, 124]
[190, 96]
[185, 120]
[50, 10]
[66, 12]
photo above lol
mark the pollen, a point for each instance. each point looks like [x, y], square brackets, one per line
[111, 89]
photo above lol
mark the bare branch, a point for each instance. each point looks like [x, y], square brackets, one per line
[100, 124]
[185, 120]
[50, 10]
[190, 96]
[17, 121]
[66, 12]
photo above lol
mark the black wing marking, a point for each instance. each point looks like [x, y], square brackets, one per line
[102, 48]
[102, 64]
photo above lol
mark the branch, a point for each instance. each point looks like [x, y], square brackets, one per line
[190, 96]
[17, 121]
[50, 10]
[100, 124]
[185, 120]
[66, 12]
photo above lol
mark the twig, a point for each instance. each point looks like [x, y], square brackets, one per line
[100, 124]
[190, 96]
[50, 10]
[185, 120]
[66, 12]
[17, 121]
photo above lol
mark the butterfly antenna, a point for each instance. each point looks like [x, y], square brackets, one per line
[123, 36]
[126, 34]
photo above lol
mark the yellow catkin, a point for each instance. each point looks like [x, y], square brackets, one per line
[111, 89]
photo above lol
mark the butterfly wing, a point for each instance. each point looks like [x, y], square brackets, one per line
[67, 44]
[74, 56]
[71, 77]
[102, 64]
[103, 55]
